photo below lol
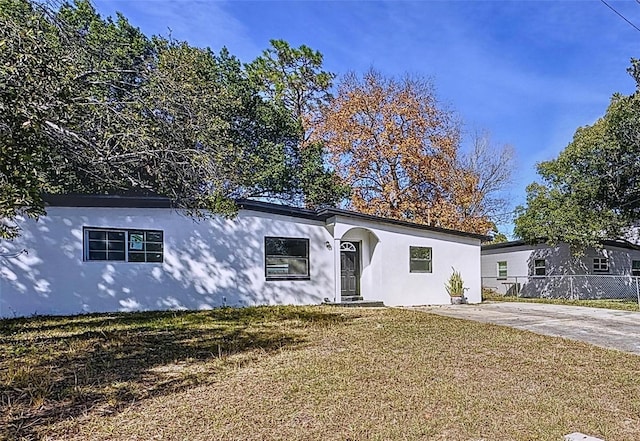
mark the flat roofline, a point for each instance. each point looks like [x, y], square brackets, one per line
[329, 212]
[322, 214]
[107, 201]
[618, 243]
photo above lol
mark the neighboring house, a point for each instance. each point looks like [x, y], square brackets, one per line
[538, 269]
[632, 234]
[108, 253]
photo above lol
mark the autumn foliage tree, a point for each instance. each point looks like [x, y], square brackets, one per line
[399, 150]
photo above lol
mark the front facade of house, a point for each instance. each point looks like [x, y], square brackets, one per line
[104, 254]
[537, 269]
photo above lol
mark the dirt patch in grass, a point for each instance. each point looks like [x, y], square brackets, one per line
[352, 375]
[619, 304]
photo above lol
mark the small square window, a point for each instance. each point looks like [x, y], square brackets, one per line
[539, 267]
[600, 265]
[420, 259]
[635, 268]
[502, 270]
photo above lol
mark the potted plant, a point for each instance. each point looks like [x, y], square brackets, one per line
[455, 288]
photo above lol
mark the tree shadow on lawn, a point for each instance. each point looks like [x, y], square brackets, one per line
[55, 368]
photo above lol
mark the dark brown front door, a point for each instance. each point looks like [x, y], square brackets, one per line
[350, 268]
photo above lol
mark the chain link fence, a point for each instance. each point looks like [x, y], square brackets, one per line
[571, 287]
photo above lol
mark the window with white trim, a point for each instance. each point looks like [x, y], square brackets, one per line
[502, 270]
[539, 267]
[420, 259]
[600, 265]
[286, 258]
[123, 245]
[635, 268]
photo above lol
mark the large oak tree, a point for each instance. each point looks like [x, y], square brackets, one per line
[399, 150]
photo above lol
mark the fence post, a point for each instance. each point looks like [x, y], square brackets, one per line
[637, 292]
[571, 287]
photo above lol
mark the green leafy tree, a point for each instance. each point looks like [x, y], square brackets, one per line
[497, 236]
[591, 191]
[235, 141]
[91, 105]
[293, 78]
[31, 91]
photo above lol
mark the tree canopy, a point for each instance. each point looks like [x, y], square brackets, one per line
[399, 150]
[293, 78]
[591, 191]
[92, 105]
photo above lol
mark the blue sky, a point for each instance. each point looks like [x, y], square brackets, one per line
[530, 72]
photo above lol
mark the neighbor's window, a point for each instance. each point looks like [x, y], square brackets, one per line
[123, 245]
[600, 265]
[539, 267]
[286, 258]
[635, 268]
[502, 270]
[420, 259]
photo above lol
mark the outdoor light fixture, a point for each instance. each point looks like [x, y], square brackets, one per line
[328, 245]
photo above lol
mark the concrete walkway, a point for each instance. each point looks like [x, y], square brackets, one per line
[602, 327]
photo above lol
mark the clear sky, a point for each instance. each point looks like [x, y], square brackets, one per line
[530, 72]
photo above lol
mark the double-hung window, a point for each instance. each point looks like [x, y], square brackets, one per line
[502, 270]
[539, 267]
[123, 245]
[286, 258]
[600, 265]
[420, 259]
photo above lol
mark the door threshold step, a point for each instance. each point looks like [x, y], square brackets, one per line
[351, 298]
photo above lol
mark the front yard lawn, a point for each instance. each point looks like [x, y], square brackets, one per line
[308, 373]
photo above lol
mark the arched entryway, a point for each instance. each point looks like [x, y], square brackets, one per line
[355, 247]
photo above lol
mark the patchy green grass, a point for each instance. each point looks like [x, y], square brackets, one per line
[304, 374]
[57, 368]
[622, 305]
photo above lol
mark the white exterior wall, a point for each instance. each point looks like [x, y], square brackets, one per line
[206, 263]
[385, 263]
[215, 262]
[517, 259]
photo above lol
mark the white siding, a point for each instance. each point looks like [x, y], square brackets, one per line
[559, 260]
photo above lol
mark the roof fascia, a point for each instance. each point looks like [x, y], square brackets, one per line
[327, 213]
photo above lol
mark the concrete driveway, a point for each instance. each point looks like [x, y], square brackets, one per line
[602, 327]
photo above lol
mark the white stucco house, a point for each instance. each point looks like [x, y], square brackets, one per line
[541, 270]
[110, 253]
